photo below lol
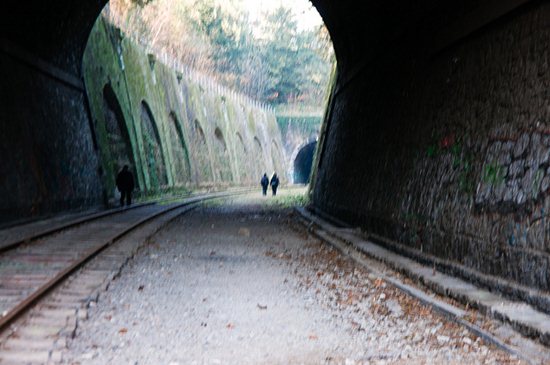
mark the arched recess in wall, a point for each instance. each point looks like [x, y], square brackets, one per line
[181, 166]
[224, 168]
[201, 155]
[199, 134]
[259, 162]
[242, 163]
[154, 156]
[117, 137]
[277, 158]
[241, 144]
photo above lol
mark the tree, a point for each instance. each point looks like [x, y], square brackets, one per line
[276, 64]
[281, 56]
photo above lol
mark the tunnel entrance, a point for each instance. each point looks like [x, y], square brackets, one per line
[303, 163]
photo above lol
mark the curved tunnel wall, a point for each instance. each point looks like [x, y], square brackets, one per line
[449, 138]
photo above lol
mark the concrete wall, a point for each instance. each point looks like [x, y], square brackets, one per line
[449, 153]
[207, 135]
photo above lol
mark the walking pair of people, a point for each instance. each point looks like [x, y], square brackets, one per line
[274, 182]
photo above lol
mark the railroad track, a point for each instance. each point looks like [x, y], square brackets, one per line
[32, 267]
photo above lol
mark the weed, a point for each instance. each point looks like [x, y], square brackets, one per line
[290, 201]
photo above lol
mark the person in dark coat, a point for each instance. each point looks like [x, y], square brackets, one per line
[265, 183]
[125, 184]
[274, 183]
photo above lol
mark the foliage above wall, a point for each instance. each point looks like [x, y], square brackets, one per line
[272, 59]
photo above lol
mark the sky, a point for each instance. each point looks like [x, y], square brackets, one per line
[307, 15]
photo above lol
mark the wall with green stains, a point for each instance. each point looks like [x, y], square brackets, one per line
[202, 135]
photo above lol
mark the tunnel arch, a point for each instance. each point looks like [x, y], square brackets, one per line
[303, 163]
[153, 149]
[418, 68]
[291, 158]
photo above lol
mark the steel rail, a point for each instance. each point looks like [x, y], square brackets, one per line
[86, 219]
[24, 305]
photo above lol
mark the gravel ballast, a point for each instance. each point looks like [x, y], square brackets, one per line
[241, 283]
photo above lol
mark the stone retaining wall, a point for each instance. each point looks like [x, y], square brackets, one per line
[449, 154]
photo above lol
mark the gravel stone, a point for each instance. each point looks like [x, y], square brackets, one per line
[204, 292]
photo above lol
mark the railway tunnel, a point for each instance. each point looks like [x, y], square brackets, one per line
[302, 162]
[435, 141]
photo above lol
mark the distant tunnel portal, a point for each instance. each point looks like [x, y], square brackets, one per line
[303, 163]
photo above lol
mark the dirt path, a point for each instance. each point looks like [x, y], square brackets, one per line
[242, 284]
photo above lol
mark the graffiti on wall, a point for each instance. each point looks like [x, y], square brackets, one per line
[515, 172]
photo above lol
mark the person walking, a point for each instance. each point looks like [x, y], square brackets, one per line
[125, 184]
[265, 183]
[274, 183]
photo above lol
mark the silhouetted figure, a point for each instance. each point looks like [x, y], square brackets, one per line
[274, 183]
[125, 184]
[265, 183]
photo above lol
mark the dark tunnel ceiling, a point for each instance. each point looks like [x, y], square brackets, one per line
[57, 31]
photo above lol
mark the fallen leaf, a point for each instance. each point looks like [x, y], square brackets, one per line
[230, 326]
[244, 232]
[123, 331]
[313, 337]
[379, 283]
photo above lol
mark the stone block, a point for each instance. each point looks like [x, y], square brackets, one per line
[516, 168]
[521, 145]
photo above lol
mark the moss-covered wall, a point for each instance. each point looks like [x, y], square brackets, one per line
[207, 135]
